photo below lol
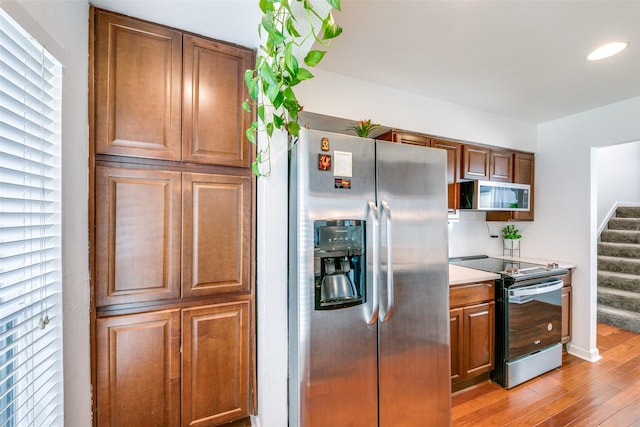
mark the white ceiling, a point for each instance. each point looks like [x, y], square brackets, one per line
[521, 59]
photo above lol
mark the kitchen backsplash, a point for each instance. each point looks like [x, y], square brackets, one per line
[471, 235]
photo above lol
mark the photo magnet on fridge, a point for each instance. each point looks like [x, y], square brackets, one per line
[324, 162]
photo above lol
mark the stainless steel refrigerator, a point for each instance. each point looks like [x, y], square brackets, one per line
[368, 284]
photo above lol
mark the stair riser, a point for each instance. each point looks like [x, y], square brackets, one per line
[629, 324]
[624, 224]
[620, 265]
[627, 251]
[629, 303]
[628, 212]
[617, 236]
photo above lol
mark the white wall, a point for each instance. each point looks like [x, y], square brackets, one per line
[618, 174]
[62, 27]
[566, 203]
[341, 96]
[472, 236]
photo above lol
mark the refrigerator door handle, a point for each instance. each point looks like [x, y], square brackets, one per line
[372, 317]
[385, 314]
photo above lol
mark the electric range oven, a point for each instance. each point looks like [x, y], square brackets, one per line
[528, 317]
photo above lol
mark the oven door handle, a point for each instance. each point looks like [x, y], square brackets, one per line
[537, 289]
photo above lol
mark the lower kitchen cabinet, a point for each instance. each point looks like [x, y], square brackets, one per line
[215, 360]
[472, 326]
[143, 379]
[138, 369]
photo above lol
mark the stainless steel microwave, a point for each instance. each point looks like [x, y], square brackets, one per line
[495, 196]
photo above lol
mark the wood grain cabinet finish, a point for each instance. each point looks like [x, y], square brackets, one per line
[138, 78]
[213, 121]
[138, 215]
[216, 234]
[472, 329]
[412, 138]
[475, 162]
[524, 173]
[215, 360]
[172, 237]
[453, 150]
[456, 328]
[478, 336]
[500, 166]
[138, 369]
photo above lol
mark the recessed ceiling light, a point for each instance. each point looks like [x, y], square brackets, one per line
[607, 50]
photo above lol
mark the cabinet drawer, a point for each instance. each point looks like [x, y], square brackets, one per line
[471, 293]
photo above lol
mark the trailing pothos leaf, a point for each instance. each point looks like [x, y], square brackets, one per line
[277, 70]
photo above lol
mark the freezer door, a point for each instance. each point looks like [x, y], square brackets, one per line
[414, 379]
[333, 353]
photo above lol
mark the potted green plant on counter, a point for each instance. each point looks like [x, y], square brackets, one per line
[511, 240]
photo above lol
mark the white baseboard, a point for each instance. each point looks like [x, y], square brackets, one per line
[592, 355]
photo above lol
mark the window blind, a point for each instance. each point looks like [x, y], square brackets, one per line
[31, 392]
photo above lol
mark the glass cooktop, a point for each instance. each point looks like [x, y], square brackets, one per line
[512, 268]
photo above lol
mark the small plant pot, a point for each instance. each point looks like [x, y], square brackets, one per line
[511, 247]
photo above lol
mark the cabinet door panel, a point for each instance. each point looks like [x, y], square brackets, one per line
[137, 235]
[475, 162]
[456, 331]
[524, 170]
[138, 88]
[138, 369]
[216, 234]
[453, 170]
[215, 367]
[501, 166]
[478, 338]
[213, 123]
[414, 139]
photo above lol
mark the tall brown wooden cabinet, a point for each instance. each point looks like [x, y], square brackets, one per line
[172, 233]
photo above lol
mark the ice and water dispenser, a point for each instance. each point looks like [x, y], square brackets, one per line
[339, 263]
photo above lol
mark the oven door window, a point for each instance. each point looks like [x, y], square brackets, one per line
[534, 315]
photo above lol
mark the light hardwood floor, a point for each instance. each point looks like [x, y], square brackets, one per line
[579, 393]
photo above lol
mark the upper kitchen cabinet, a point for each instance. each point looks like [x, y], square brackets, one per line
[523, 173]
[138, 78]
[475, 162]
[500, 166]
[213, 121]
[486, 163]
[163, 94]
[406, 138]
[453, 150]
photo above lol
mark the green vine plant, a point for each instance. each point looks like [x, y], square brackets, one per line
[277, 70]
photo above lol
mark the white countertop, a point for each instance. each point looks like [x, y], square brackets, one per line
[458, 275]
